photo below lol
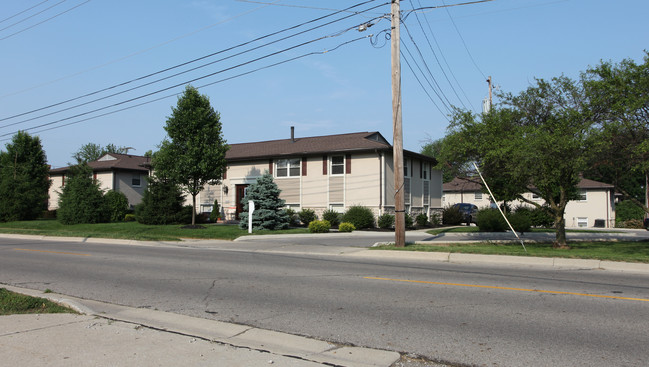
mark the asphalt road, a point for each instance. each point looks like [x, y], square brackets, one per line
[459, 314]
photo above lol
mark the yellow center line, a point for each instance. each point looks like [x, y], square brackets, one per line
[53, 252]
[508, 288]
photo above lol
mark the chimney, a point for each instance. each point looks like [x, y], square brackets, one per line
[293, 133]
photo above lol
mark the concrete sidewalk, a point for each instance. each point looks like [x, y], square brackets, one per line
[112, 335]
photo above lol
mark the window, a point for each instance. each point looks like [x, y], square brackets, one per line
[406, 168]
[535, 196]
[582, 195]
[288, 167]
[337, 165]
[478, 195]
[425, 169]
[136, 181]
[582, 222]
[338, 208]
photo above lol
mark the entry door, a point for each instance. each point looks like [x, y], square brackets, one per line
[241, 193]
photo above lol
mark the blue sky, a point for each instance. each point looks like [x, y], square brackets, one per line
[59, 51]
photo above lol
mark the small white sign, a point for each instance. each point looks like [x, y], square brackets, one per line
[251, 209]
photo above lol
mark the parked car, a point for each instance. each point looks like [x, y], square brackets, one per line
[468, 211]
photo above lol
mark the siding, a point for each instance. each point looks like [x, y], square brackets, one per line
[336, 189]
[290, 189]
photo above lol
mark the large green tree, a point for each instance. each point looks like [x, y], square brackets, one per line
[24, 181]
[619, 96]
[81, 199]
[193, 154]
[535, 141]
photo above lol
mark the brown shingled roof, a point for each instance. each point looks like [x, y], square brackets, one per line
[473, 184]
[121, 161]
[309, 145]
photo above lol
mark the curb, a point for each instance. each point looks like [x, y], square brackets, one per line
[235, 335]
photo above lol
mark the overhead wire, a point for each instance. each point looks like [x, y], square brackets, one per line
[174, 94]
[23, 11]
[463, 41]
[46, 20]
[33, 15]
[184, 64]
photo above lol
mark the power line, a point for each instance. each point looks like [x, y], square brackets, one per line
[24, 11]
[421, 84]
[41, 22]
[462, 38]
[171, 95]
[290, 5]
[184, 64]
[438, 92]
[33, 15]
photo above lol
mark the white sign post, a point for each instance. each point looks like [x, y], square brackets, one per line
[251, 209]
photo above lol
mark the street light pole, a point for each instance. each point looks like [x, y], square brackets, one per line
[397, 147]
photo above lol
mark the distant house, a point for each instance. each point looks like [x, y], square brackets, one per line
[595, 207]
[120, 172]
[327, 172]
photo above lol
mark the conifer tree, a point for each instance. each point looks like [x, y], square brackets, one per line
[81, 200]
[269, 208]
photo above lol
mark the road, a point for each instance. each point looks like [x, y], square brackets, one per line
[457, 314]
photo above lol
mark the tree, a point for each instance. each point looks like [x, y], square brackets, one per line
[162, 202]
[619, 96]
[117, 205]
[193, 155]
[536, 141]
[438, 149]
[24, 181]
[91, 152]
[269, 208]
[81, 200]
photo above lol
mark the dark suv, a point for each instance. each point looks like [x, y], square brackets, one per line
[468, 211]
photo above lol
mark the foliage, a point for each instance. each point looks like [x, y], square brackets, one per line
[161, 203]
[269, 212]
[490, 220]
[538, 140]
[319, 226]
[117, 205]
[186, 215]
[630, 223]
[307, 216]
[435, 219]
[216, 212]
[440, 150]
[626, 210]
[361, 217]
[346, 227]
[452, 216]
[15, 303]
[619, 98]
[421, 220]
[129, 218]
[332, 216]
[92, 152]
[520, 221]
[409, 222]
[386, 221]
[293, 219]
[24, 182]
[193, 154]
[81, 199]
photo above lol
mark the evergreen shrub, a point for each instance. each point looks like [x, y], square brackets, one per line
[409, 221]
[332, 216]
[319, 226]
[490, 220]
[451, 216]
[117, 205]
[520, 220]
[269, 208]
[361, 217]
[307, 216]
[216, 212]
[293, 219]
[421, 220]
[627, 210]
[81, 200]
[346, 227]
[386, 221]
[161, 204]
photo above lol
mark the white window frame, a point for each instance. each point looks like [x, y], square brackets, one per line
[341, 165]
[583, 195]
[291, 165]
[477, 195]
[582, 222]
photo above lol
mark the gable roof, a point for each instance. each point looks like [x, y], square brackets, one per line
[114, 161]
[473, 184]
[340, 143]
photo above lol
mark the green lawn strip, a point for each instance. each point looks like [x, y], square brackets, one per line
[15, 303]
[629, 251]
[475, 229]
[132, 230]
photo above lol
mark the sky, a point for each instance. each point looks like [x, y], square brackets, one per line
[108, 72]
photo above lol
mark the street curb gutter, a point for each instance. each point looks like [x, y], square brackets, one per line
[235, 335]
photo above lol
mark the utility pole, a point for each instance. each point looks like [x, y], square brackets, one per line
[490, 88]
[397, 147]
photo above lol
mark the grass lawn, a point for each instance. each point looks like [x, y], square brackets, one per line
[636, 251]
[14, 303]
[131, 230]
[472, 229]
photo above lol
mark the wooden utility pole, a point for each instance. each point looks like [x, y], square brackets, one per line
[397, 146]
[490, 94]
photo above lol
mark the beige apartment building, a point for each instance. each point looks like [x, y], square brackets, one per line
[594, 208]
[327, 172]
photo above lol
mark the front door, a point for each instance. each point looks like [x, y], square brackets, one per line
[241, 194]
